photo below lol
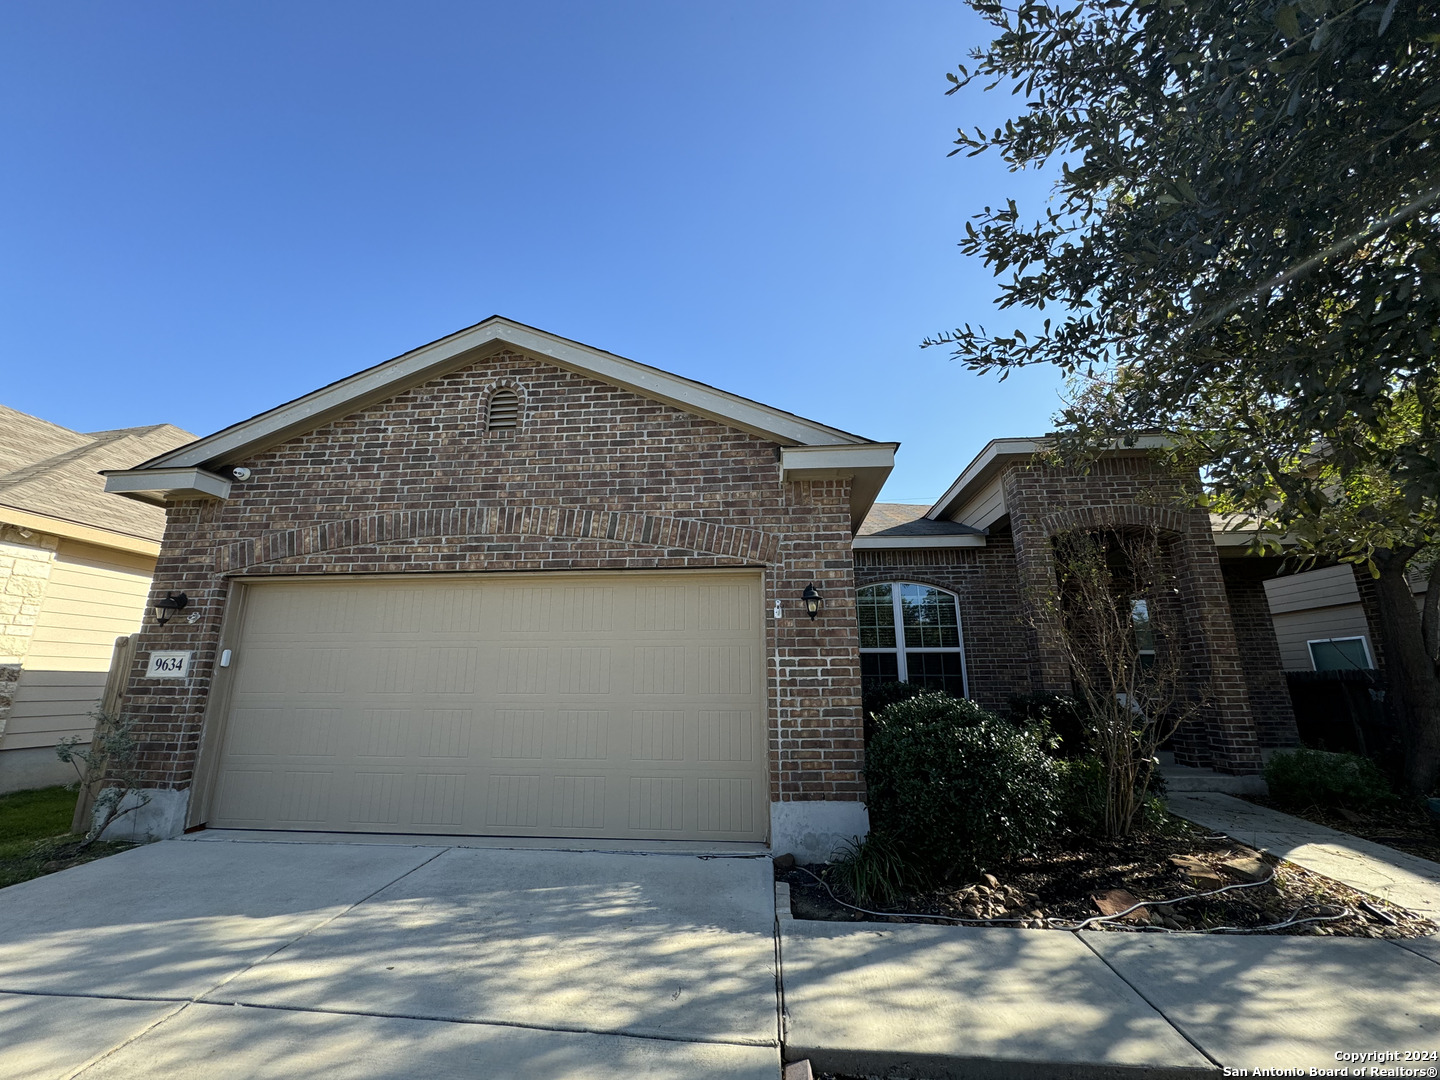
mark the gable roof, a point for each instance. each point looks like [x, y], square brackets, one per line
[904, 525]
[50, 472]
[200, 469]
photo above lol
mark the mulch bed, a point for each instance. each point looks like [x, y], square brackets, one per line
[1407, 827]
[1060, 887]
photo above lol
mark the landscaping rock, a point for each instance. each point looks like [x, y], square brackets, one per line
[785, 863]
[1201, 874]
[1114, 901]
[1247, 867]
[990, 880]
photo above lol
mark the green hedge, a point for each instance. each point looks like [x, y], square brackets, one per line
[958, 787]
[1302, 778]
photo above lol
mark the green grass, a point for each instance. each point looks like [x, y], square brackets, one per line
[37, 814]
[35, 836]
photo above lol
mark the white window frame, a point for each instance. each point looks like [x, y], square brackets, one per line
[1364, 644]
[898, 614]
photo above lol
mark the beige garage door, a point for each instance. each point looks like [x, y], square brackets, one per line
[581, 705]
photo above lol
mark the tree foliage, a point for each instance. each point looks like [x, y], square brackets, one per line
[1242, 248]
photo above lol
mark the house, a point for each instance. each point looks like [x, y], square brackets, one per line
[511, 584]
[75, 567]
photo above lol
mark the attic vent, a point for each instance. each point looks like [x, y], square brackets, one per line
[504, 412]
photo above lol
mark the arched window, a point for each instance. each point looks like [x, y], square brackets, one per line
[504, 413]
[912, 633]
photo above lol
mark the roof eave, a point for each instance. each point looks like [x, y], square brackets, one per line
[159, 486]
[460, 349]
[866, 465]
[891, 543]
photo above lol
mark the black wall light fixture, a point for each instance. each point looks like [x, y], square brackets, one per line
[168, 606]
[813, 600]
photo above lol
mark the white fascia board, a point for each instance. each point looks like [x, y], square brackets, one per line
[882, 543]
[988, 459]
[819, 462]
[977, 470]
[156, 484]
[773, 424]
[450, 353]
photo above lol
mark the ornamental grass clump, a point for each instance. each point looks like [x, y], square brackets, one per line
[959, 788]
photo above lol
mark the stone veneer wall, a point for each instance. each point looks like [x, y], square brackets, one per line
[25, 563]
[998, 641]
[596, 477]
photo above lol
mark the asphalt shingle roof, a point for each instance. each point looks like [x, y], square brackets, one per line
[48, 469]
[905, 519]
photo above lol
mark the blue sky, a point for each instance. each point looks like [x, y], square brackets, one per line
[213, 208]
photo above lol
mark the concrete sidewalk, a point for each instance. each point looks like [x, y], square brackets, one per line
[211, 960]
[950, 1002]
[1406, 880]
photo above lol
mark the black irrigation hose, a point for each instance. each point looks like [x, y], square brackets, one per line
[1076, 927]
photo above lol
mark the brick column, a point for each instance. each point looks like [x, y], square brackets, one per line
[1035, 568]
[1260, 654]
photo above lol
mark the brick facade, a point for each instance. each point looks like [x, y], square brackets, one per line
[595, 477]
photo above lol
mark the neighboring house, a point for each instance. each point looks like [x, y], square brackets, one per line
[511, 584]
[75, 566]
[1320, 620]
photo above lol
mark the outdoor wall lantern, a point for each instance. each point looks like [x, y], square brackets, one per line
[813, 600]
[168, 606]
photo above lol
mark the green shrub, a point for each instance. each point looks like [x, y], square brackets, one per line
[1082, 799]
[1061, 715]
[876, 870]
[1301, 778]
[877, 697]
[959, 787]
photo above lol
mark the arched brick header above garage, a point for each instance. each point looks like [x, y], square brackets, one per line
[479, 527]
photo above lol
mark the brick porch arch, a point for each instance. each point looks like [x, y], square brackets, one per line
[753, 546]
[1225, 738]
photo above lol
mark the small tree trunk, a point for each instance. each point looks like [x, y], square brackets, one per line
[1412, 678]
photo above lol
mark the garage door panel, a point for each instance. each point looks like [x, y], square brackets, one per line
[620, 706]
[659, 669]
[303, 797]
[440, 799]
[580, 735]
[445, 734]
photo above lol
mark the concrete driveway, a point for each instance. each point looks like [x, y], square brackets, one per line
[242, 958]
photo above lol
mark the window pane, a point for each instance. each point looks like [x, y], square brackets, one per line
[1344, 654]
[1140, 622]
[931, 621]
[878, 668]
[939, 671]
[877, 618]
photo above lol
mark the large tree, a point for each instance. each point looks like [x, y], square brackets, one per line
[1242, 248]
